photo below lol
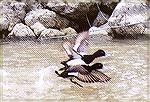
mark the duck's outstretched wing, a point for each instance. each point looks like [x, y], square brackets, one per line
[100, 75]
[83, 75]
[67, 45]
[81, 42]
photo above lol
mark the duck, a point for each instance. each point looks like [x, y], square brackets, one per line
[84, 73]
[77, 51]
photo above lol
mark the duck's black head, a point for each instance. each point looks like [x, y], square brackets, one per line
[99, 53]
[97, 66]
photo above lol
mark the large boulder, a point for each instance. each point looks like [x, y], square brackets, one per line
[13, 13]
[38, 28]
[83, 12]
[69, 31]
[46, 17]
[21, 31]
[131, 16]
[129, 19]
[32, 4]
[50, 33]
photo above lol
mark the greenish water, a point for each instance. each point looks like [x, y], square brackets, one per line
[28, 72]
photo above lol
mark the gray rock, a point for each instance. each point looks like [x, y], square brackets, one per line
[46, 17]
[38, 28]
[32, 4]
[73, 10]
[21, 30]
[51, 33]
[77, 11]
[68, 31]
[13, 13]
[41, 15]
[129, 19]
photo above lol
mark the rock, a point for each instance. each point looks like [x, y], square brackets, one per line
[21, 31]
[46, 17]
[51, 33]
[110, 3]
[73, 10]
[32, 4]
[4, 23]
[77, 11]
[38, 28]
[61, 22]
[128, 19]
[97, 30]
[13, 13]
[69, 31]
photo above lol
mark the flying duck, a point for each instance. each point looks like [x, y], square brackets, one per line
[87, 74]
[77, 51]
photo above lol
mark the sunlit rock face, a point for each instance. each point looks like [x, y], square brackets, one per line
[130, 19]
[131, 16]
[21, 31]
[13, 13]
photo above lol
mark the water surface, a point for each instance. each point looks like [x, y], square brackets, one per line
[28, 72]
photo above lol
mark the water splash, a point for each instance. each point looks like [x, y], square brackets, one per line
[42, 84]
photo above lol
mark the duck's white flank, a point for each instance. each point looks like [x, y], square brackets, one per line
[73, 73]
[75, 62]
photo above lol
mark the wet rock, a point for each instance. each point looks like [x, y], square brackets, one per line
[68, 31]
[21, 31]
[38, 28]
[13, 13]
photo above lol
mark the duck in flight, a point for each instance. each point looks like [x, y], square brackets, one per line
[87, 74]
[77, 51]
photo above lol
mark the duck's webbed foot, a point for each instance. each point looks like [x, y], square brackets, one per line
[75, 83]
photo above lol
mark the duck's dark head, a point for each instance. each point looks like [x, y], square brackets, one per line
[97, 66]
[99, 53]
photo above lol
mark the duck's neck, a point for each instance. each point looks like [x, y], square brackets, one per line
[95, 55]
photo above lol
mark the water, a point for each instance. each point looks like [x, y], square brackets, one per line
[28, 72]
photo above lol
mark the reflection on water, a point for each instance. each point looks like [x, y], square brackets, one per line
[28, 72]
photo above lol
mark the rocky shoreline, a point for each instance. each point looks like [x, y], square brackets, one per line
[46, 19]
